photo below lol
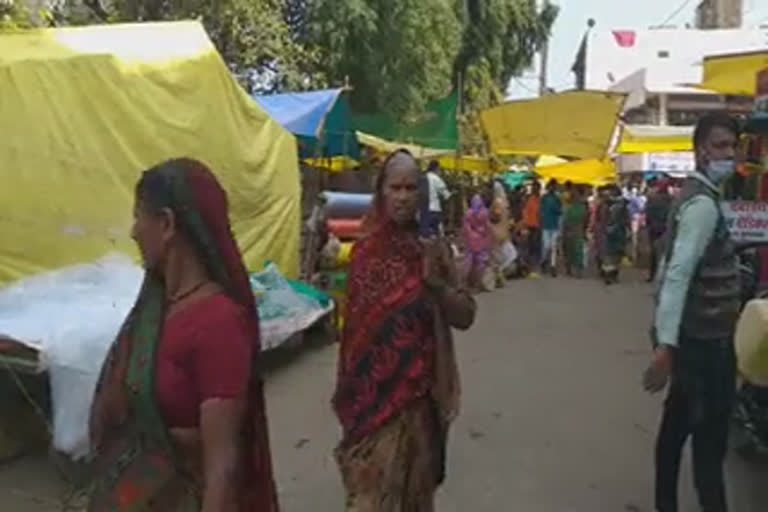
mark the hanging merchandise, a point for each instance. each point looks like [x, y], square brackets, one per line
[342, 205]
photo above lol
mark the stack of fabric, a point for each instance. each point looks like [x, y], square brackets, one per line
[344, 222]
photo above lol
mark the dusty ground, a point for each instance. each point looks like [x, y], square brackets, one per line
[553, 417]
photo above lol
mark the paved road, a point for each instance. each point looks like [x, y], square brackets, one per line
[553, 419]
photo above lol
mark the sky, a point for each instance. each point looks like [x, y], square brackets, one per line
[611, 14]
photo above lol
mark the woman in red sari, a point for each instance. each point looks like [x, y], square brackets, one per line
[178, 421]
[397, 389]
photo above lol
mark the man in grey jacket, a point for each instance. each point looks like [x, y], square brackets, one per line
[696, 312]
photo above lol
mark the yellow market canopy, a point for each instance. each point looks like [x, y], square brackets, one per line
[655, 139]
[734, 74]
[85, 110]
[471, 164]
[337, 163]
[577, 124]
[586, 172]
[386, 146]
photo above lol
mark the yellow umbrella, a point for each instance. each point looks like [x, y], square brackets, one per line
[577, 124]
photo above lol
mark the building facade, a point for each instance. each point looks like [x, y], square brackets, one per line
[713, 14]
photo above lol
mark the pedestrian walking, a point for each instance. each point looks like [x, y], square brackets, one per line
[435, 192]
[696, 313]
[614, 234]
[575, 218]
[656, 215]
[397, 390]
[551, 213]
[478, 242]
[502, 251]
[178, 421]
[532, 225]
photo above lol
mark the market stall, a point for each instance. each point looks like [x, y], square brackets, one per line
[126, 97]
[576, 124]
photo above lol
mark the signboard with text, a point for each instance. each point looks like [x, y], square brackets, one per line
[681, 162]
[747, 220]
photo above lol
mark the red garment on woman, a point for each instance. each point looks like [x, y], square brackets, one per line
[388, 346]
[205, 352]
[162, 368]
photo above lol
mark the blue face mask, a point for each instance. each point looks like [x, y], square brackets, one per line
[720, 170]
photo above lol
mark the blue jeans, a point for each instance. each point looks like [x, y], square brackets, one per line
[549, 240]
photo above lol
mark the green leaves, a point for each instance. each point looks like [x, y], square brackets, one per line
[397, 55]
[14, 15]
[500, 40]
[253, 36]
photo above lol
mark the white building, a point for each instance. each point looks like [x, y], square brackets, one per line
[653, 67]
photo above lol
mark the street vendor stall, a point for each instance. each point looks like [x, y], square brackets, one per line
[87, 110]
[583, 172]
[576, 124]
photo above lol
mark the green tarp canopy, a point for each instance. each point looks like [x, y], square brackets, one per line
[435, 128]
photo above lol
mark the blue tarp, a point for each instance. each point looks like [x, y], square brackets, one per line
[313, 117]
[301, 113]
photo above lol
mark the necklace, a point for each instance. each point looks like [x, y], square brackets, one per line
[181, 296]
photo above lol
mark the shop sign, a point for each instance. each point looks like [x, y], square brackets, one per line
[672, 162]
[746, 220]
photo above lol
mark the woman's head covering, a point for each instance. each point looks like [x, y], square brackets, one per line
[377, 215]
[477, 204]
[200, 205]
[476, 226]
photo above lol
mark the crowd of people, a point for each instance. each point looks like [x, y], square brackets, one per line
[179, 422]
[513, 232]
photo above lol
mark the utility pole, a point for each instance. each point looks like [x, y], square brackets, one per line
[543, 85]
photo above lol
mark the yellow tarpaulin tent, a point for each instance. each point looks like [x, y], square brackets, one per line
[471, 164]
[734, 74]
[586, 172]
[387, 146]
[85, 110]
[333, 163]
[655, 139]
[578, 124]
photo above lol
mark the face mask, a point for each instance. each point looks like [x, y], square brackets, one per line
[719, 170]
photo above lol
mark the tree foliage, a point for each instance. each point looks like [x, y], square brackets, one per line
[400, 54]
[251, 35]
[14, 15]
[397, 54]
[501, 38]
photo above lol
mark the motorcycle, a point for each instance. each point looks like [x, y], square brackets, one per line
[749, 430]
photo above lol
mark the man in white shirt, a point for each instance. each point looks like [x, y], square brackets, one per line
[437, 191]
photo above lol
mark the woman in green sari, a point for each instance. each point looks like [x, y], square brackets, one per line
[575, 218]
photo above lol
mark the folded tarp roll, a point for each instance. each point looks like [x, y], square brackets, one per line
[345, 229]
[342, 205]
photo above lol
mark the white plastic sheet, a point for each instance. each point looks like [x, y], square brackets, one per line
[72, 316]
